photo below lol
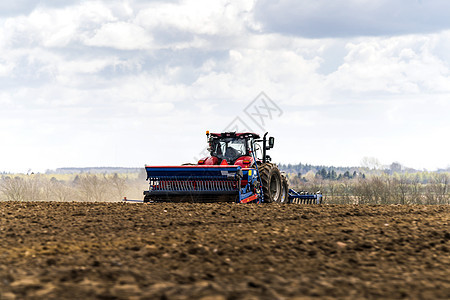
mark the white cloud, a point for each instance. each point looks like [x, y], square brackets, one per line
[122, 36]
[349, 18]
[108, 74]
[200, 17]
[395, 65]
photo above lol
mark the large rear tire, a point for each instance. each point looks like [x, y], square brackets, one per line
[271, 181]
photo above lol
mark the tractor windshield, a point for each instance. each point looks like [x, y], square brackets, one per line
[229, 148]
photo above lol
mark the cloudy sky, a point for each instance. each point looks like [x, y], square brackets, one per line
[133, 82]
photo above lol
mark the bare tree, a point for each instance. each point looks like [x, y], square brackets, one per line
[118, 185]
[14, 189]
[92, 188]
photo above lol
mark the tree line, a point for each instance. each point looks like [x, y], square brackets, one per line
[414, 188]
[338, 185]
[74, 187]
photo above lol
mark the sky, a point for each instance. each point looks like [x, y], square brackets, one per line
[133, 82]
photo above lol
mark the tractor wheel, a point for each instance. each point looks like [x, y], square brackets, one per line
[271, 183]
[284, 189]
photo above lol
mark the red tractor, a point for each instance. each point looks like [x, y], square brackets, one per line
[237, 170]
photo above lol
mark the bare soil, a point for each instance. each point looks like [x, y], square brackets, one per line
[52, 250]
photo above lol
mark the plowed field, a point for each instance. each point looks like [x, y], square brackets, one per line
[54, 250]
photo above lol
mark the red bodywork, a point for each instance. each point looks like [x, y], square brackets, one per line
[209, 161]
[243, 161]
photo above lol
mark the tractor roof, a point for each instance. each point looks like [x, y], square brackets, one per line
[235, 134]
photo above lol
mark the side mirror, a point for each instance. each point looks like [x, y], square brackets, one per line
[271, 142]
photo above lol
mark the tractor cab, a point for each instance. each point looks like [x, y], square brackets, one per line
[231, 148]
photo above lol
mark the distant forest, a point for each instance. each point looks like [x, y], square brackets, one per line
[304, 172]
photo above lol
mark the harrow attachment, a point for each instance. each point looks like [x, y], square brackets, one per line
[304, 198]
[194, 184]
